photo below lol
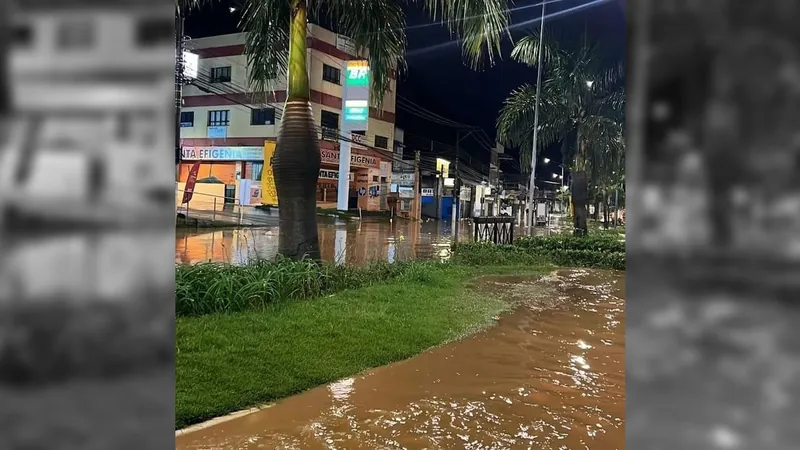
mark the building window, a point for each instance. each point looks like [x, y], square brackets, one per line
[330, 125]
[75, 35]
[263, 116]
[331, 74]
[257, 170]
[187, 119]
[221, 118]
[221, 74]
[374, 178]
[381, 141]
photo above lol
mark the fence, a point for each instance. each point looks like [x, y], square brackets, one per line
[497, 230]
[217, 209]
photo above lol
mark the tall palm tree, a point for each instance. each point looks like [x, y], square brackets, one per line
[582, 105]
[276, 44]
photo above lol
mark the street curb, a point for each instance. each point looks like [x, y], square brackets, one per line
[221, 419]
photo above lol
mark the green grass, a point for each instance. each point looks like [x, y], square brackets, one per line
[227, 362]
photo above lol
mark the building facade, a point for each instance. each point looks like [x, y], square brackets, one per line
[225, 126]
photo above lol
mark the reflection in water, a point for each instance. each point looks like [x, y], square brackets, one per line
[544, 378]
[340, 241]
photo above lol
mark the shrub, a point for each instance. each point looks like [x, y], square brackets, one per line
[593, 251]
[599, 242]
[210, 288]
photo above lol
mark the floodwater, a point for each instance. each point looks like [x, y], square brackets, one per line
[549, 376]
[340, 241]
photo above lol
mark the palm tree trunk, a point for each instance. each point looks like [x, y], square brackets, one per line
[297, 157]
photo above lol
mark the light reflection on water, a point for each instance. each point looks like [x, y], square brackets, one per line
[340, 241]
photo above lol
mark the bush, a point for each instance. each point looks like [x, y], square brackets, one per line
[210, 288]
[602, 251]
[597, 242]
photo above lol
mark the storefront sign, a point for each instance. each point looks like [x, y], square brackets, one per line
[328, 174]
[269, 193]
[405, 192]
[217, 132]
[345, 44]
[403, 179]
[427, 192]
[331, 157]
[222, 153]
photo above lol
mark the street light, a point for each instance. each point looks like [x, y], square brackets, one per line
[589, 83]
[546, 160]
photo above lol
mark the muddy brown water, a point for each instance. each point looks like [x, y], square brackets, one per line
[352, 242]
[549, 376]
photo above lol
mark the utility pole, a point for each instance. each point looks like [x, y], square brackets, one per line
[178, 87]
[417, 187]
[456, 191]
[532, 188]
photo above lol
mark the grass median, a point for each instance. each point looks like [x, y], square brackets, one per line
[227, 362]
[248, 335]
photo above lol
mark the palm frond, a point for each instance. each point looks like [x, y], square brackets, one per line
[526, 50]
[379, 27]
[482, 25]
[183, 7]
[266, 23]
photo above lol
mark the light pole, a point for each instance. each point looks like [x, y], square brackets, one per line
[532, 188]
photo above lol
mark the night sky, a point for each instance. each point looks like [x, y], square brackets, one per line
[437, 80]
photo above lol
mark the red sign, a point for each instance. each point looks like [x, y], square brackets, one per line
[190, 182]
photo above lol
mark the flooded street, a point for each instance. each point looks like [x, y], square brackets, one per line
[340, 241]
[549, 376]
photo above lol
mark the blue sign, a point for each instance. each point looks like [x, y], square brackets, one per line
[222, 153]
[217, 132]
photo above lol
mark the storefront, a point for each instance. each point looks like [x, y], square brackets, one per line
[223, 165]
[368, 177]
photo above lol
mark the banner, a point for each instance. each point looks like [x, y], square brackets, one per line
[190, 182]
[269, 195]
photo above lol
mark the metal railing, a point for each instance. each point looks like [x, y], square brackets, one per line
[497, 230]
[223, 208]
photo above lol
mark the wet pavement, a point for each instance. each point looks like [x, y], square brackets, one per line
[549, 376]
[340, 241]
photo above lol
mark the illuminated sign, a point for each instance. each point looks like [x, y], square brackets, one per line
[190, 65]
[356, 110]
[427, 192]
[357, 74]
[355, 96]
[222, 153]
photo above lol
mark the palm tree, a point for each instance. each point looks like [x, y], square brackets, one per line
[276, 44]
[582, 105]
